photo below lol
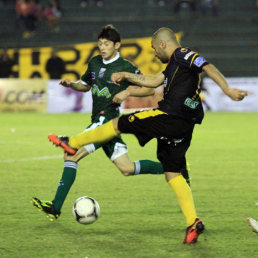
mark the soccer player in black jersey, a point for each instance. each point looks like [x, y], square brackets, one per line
[172, 123]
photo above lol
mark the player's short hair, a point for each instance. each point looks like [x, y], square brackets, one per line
[110, 32]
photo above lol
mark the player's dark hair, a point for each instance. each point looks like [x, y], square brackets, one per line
[110, 32]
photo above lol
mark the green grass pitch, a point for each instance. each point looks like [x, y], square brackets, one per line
[140, 216]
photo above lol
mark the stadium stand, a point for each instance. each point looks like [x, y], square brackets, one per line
[230, 41]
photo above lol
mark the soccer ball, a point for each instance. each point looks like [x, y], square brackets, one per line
[86, 210]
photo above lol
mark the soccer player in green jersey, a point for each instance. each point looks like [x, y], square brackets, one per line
[106, 101]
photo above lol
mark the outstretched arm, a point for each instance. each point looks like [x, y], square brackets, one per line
[78, 86]
[133, 92]
[149, 81]
[217, 76]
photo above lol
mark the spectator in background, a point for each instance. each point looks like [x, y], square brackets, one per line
[35, 12]
[22, 15]
[33, 18]
[184, 3]
[6, 64]
[210, 4]
[55, 66]
[52, 14]
[29, 13]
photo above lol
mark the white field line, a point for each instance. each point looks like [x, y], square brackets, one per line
[14, 142]
[31, 159]
[19, 142]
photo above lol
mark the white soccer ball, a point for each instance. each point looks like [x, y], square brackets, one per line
[86, 210]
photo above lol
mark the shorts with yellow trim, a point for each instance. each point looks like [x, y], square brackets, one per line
[173, 134]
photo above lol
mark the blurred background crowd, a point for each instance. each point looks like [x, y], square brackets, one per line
[225, 32]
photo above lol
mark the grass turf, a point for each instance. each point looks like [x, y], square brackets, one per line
[140, 216]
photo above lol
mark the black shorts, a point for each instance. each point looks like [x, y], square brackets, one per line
[173, 134]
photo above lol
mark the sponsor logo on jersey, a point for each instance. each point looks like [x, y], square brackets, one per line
[100, 93]
[101, 72]
[183, 50]
[131, 118]
[189, 54]
[92, 74]
[191, 103]
[199, 61]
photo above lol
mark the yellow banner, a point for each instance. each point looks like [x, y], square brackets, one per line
[31, 62]
[23, 95]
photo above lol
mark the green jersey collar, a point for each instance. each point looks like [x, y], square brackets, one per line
[111, 60]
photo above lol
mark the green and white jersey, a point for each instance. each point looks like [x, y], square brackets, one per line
[98, 77]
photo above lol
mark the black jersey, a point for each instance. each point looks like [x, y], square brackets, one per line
[182, 85]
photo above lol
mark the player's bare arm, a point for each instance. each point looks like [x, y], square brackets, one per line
[217, 76]
[133, 92]
[78, 86]
[149, 81]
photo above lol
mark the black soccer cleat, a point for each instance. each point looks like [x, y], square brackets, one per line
[193, 231]
[47, 207]
[63, 142]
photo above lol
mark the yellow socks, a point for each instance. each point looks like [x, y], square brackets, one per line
[102, 133]
[184, 197]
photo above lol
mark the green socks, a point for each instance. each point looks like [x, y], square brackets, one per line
[65, 184]
[69, 174]
[148, 167]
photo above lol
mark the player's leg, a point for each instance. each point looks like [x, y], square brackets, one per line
[69, 172]
[70, 167]
[139, 167]
[117, 152]
[68, 176]
[125, 165]
[53, 208]
[184, 196]
[102, 133]
[108, 131]
[172, 156]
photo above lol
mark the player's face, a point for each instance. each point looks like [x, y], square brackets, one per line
[159, 51]
[108, 49]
